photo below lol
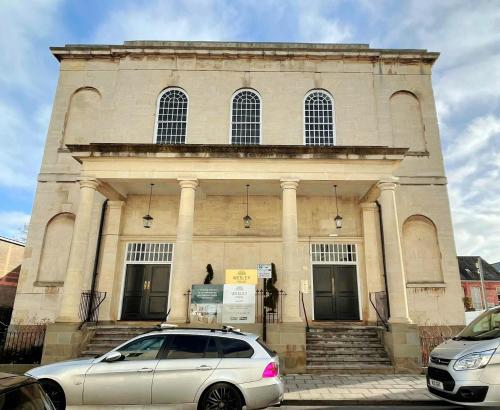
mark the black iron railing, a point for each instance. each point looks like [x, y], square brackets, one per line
[274, 311]
[20, 346]
[301, 301]
[379, 302]
[89, 305]
[188, 305]
[5, 316]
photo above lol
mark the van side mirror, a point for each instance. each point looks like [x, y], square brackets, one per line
[113, 357]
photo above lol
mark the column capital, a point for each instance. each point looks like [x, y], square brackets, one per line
[369, 206]
[289, 183]
[115, 204]
[88, 183]
[188, 183]
[388, 184]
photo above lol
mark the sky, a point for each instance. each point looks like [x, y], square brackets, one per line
[466, 77]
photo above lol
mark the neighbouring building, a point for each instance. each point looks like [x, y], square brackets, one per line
[11, 256]
[201, 121]
[496, 266]
[471, 282]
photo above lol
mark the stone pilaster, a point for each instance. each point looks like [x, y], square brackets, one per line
[396, 281]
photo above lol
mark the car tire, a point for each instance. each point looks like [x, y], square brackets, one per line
[221, 394]
[55, 393]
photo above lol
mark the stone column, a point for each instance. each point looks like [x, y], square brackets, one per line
[109, 254]
[291, 312]
[396, 280]
[183, 251]
[70, 303]
[373, 263]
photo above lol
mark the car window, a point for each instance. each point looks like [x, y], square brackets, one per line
[27, 397]
[187, 347]
[269, 351]
[235, 348]
[146, 348]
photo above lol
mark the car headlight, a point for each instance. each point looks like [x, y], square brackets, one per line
[474, 360]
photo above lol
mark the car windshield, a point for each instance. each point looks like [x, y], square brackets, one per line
[484, 327]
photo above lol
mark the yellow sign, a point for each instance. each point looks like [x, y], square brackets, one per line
[241, 276]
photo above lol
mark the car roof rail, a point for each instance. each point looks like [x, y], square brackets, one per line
[223, 329]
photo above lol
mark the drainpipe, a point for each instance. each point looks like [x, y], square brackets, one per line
[96, 262]
[479, 266]
[384, 265]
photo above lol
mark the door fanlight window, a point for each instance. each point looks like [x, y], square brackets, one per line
[149, 252]
[333, 252]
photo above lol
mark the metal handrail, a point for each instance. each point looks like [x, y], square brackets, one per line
[301, 294]
[384, 322]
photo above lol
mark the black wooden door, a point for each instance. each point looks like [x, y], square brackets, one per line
[145, 296]
[335, 292]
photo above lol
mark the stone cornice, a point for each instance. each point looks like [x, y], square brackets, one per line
[228, 50]
[236, 151]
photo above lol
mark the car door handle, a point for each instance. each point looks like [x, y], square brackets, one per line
[204, 367]
[145, 370]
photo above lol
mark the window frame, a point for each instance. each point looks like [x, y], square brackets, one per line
[157, 116]
[165, 343]
[334, 118]
[240, 90]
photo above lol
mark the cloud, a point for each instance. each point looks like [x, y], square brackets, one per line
[13, 223]
[160, 20]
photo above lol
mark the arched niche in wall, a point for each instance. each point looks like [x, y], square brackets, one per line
[81, 120]
[407, 123]
[422, 254]
[55, 248]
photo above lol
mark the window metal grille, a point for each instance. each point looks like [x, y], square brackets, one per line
[149, 252]
[333, 252]
[245, 118]
[172, 117]
[319, 119]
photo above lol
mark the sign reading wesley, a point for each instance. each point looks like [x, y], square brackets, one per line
[241, 276]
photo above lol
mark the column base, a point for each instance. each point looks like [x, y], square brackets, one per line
[402, 320]
[62, 342]
[402, 343]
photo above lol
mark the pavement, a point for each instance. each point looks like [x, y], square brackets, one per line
[312, 389]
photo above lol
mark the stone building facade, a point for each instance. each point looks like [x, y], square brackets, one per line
[202, 120]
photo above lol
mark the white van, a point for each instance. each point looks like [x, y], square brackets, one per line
[466, 369]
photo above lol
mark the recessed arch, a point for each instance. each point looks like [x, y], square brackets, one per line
[82, 116]
[171, 116]
[422, 255]
[56, 247]
[319, 118]
[246, 117]
[406, 120]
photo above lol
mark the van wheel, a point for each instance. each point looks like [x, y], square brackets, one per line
[221, 396]
[55, 393]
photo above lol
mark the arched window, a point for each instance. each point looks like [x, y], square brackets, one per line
[245, 118]
[319, 118]
[171, 118]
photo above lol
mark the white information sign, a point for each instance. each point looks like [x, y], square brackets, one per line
[239, 294]
[264, 271]
[238, 313]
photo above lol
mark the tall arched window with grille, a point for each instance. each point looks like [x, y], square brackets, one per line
[171, 117]
[245, 118]
[319, 118]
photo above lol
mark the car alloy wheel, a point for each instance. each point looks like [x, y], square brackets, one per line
[222, 396]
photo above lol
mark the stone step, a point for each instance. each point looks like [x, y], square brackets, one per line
[328, 331]
[112, 337]
[344, 343]
[355, 355]
[347, 359]
[349, 334]
[346, 340]
[347, 349]
[350, 369]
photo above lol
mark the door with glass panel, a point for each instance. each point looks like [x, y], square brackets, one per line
[145, 295]
[185, 364]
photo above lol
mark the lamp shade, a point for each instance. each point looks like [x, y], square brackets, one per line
[147, 221]
[247, 221]
[338, 222]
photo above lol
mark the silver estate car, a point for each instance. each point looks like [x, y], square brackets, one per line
[192, 368]
[466, 369]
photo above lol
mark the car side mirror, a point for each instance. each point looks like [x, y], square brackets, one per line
[113, 357]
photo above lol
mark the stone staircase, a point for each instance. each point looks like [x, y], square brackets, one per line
[346, 349]
[103, 338]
